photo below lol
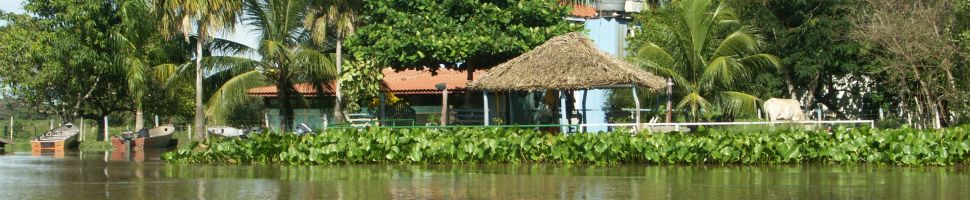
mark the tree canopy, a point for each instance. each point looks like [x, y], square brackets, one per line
[429, 33]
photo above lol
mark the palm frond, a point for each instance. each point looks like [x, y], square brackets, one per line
[695, 103]
[232, 93]
[738, 43]
[738, 103]
[763, 61]
[313, 66]
[229, 47]
[137, 79]
[724, 71]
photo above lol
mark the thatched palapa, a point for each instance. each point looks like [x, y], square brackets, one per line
[565, 62]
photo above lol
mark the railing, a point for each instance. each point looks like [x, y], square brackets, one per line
[677, 126]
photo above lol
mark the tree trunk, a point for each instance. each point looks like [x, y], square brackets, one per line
[790, 84]
[468, 90]
[338, 114]
[101, 129]
[286, 109]
[199, 121]
[930, 102]
[139, 118]
[810, 92]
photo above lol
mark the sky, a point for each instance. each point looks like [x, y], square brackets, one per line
[14, 6]
[242, 34]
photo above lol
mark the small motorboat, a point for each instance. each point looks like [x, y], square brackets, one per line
[158, 137]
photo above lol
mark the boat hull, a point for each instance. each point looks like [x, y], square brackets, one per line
[59, 139]
[57, 145]
[158, 137]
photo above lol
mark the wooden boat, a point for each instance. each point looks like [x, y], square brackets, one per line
[158, 137]
[59, 139]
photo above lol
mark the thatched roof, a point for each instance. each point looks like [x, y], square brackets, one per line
[565, 62]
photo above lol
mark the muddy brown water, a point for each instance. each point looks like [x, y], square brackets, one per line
[97, 175]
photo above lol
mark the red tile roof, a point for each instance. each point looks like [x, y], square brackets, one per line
[584, 11]
[398, 82]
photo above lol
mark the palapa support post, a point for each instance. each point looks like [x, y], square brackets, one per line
[585, 117]
[562, 109]
[485, 107]
[636, 113]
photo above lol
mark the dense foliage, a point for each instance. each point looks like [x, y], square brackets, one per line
[488, 145]
[286, 58]
[821, 60]
[429, 33]
[701, 47]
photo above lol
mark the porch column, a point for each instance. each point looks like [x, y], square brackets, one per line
[444, 103]
[508, 109]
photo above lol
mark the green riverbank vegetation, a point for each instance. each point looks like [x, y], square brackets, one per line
[905, 146]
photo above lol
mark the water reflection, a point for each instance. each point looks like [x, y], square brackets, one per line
[92, 175]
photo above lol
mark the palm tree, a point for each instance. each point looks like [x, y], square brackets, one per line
[699, 45]
[139, 47]
[205, 16]
[286, 57]
[340, 18]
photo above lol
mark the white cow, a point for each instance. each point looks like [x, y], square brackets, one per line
[784, 109]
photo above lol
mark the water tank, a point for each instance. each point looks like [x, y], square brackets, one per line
[610, 5]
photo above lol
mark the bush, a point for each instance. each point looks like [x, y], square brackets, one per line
[490, 145]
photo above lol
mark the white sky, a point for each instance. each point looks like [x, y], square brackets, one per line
[241, 35]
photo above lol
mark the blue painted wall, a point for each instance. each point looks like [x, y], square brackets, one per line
[609, 36]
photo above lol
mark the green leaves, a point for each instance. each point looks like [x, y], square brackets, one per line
[427, 33]
[698, 44]
[492, 145]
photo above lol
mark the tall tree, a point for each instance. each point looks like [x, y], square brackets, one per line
[61, 61]
[824, 65]
[918, 54]
[699, 45]
[465, 34]
[140, 48]
[287, 56]
[206, 17]
[340, 18]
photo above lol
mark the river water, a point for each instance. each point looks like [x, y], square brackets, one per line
[97, 175]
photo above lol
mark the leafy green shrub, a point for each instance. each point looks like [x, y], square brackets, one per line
[493, 145]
